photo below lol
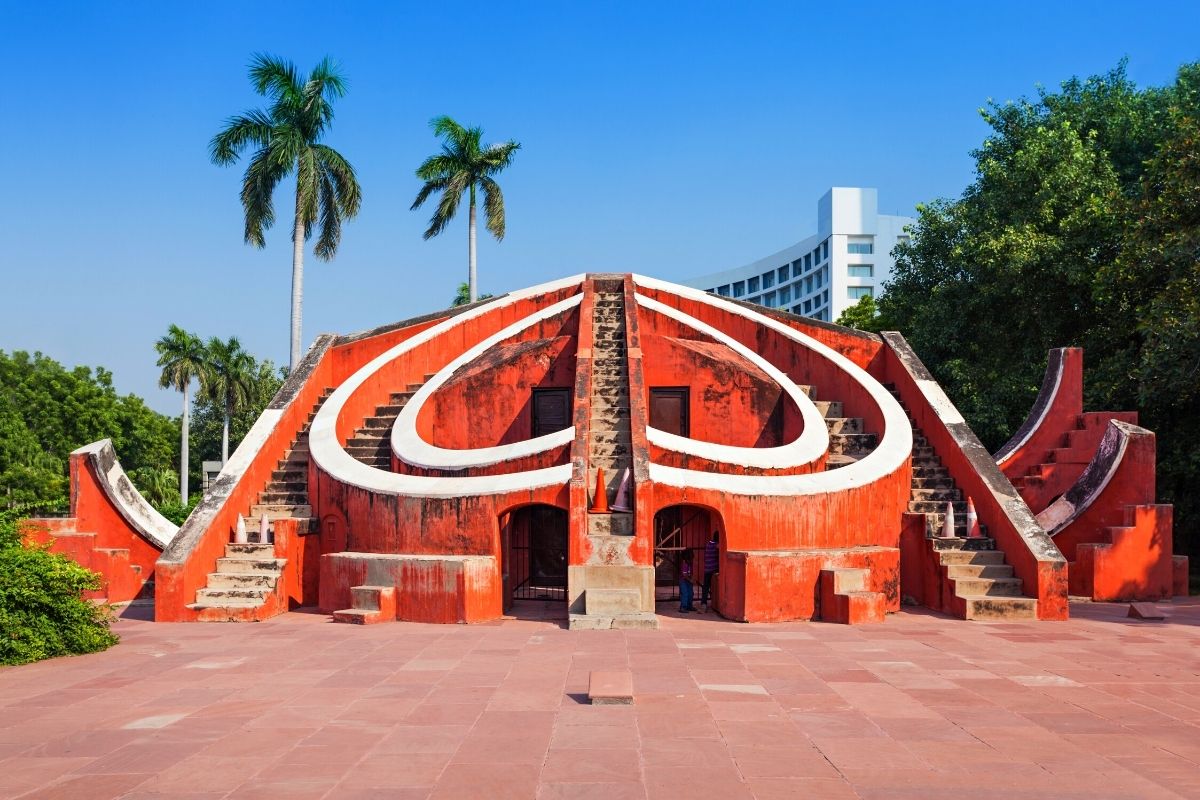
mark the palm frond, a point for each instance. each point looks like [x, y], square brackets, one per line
[446, 126]
[499, 156]
[331, 219]
[448, 204]
[431, 186]
[258, 188]
[442, 165]
[345, 181]
[275, 77]
[251, 128]
[307, 191]
[182, 357]
[493, 207]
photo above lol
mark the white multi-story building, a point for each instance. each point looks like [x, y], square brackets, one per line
[848, 257]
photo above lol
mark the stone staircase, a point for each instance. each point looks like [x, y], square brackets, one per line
[845, 598]
[371, 444]
[617, 599]
[245, 578]
[371, 604]
[249, 573]
[977, 583]
[848, 441]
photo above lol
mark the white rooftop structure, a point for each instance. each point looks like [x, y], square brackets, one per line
[821, 276]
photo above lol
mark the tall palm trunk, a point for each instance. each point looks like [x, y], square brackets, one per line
[297, 285]
[472, 291]
[225, 437]
[183, 449]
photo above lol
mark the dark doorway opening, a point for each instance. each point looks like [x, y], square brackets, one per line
[669, 410]
[536, 553]
[679, 531]
[551, 411]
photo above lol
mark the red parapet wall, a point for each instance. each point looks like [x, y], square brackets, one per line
[444, 589]
[111, 530]
[1119, 542]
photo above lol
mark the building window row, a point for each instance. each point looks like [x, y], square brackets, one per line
[860, 270]
[858, 292]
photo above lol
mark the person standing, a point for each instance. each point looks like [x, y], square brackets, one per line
[685, 583]
[712, 563]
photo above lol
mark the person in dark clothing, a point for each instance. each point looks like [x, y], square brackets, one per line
[685, 583]
[712, 563]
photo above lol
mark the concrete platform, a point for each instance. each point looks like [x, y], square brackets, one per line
[920, 706]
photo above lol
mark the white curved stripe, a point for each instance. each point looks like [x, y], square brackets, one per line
[810, 445]
[407, 443]
[893, 449]
[328, 453]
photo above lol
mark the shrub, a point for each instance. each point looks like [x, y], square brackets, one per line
[42, 612]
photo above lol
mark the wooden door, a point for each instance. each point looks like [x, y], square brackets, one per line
[551, 411]
[669, 410]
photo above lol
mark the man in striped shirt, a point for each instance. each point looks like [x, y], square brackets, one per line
[712, 563]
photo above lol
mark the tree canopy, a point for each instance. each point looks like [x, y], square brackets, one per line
[1080, 228]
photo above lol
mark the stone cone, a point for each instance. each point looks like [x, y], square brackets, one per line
[948, 525]
[623, 501]
[264, 530]
[239, 532]
[973, 530]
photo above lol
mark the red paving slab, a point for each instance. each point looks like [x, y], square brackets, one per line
[922, 706]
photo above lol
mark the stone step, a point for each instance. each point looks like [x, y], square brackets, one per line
[609, 451]
[286, 475]
[851, 442]
[612, 602]
[587, 622]
[298, 485]
[611, 436]
[963, 543]
[369, 436]
[242, 564]
[939, 507]
[378, 422]
[843, 425]
[839, 460]
[1001, 608]
[273, 497]
[829, 408]
[979, 558]
[400, 398]
[207, 596]
[932, 482]
[979, 570]
[274, 511]
[610, 524]
[251, 550]
[242, 580]
[938, 494]
[987, 587]
[224, 603]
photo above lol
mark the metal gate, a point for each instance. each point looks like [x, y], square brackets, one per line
[538, 553]
[678, 530]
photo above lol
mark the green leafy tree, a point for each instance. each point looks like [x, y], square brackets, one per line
[42, 611]
[1079, 229]
[228, 382]
[863, 315]
[463, 166]
[47, 410]
[286, 138]
[463, 295]
[208, 416]
[183, 359]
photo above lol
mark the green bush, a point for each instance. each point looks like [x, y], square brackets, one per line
[42, 612]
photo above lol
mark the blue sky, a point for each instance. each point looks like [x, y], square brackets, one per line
[672, 139]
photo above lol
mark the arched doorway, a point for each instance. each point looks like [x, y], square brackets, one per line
[680, 531]
[535, 553]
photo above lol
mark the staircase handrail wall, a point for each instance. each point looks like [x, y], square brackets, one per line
[183, 568]
[1029, 550]
[1059, 403]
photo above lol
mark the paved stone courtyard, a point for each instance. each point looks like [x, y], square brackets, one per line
[921, 706]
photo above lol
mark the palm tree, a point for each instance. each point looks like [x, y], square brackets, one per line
[287, 138]
[182, 358]
[463, 165]
[462, 295]
[228, 382]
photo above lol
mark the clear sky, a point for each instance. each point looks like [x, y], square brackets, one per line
[672, 139]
